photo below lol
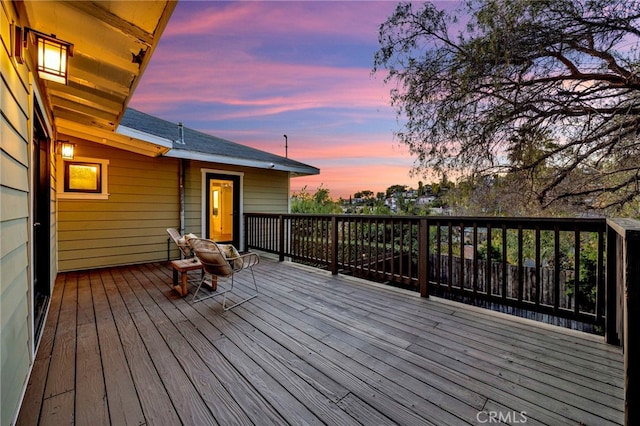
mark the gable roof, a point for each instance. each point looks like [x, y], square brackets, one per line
[202, 146]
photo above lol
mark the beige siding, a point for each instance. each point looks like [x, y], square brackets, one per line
[129, 227]
[193, 196]
[15, 344]
[264, 191]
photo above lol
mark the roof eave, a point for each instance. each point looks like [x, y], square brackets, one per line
[147, 137]
[301, 170]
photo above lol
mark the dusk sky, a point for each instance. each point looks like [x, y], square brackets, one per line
[252, 71]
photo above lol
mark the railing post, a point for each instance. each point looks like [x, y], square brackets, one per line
[631, 336]
[628, 255]
[611, 299]
[423, 257]
[246, 232]
[334, 245]
[281, 244]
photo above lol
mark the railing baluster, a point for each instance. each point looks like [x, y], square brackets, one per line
[281, 249]
[334, 245]
[489, 260]
[401, 248]
[556, 269]
[520, 265]
[461, 277]
[384, 249]
[537, 267]
[576, 279]
[450, 251]
[392, 243]
[423, 257]
[601, 288]
[475, 261]
[439, 254]
[504, 262]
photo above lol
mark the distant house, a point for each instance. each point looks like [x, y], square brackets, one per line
[131, 176]
[425, 200]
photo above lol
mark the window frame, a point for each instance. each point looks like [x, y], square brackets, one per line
[62, 184]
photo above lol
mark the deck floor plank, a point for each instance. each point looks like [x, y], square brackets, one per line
[122, 399]
[536, 379]
[34, 394]
[59, 396]
[222, 405]
[120, 345]
[156, 405]
[91, 402]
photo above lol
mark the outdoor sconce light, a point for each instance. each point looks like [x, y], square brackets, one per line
[67, 150]
[53, 54]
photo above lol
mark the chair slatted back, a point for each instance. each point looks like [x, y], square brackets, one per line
[213, 260]
[182, 245]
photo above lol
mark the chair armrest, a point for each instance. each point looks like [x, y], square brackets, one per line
[247, 260]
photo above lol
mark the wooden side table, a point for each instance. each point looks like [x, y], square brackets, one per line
[184, 266]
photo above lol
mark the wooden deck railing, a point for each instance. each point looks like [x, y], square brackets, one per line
[552, 268]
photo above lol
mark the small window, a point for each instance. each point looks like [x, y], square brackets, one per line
[82, 178]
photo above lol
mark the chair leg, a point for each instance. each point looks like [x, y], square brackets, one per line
[255, 286]
[204, 277]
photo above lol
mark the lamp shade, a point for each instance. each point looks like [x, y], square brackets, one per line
[53, 57]
[67, 150]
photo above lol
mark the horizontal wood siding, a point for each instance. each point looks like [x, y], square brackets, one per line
[15, 342]
[265, 191]
[129, 227]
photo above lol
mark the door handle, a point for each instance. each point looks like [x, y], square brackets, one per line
[36, 224]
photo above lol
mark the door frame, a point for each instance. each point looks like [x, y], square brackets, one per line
[204, 197]
[40, 265]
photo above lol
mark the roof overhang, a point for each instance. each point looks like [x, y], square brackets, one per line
[113, 42]
[126, 139]
[296, 170]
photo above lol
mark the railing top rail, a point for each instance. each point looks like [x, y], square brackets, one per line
[544, 223]
[627, 228]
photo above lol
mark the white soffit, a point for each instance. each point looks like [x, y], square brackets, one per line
[148, 145]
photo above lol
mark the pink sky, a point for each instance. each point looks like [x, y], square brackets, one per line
[253, 71]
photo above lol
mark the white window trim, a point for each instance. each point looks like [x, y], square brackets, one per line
[62, 195]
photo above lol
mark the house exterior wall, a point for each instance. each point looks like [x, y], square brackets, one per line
[130, 226]
[16, 120]
[264, 191]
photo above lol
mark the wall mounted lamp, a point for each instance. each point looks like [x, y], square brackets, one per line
[52, 53]
[67, 150]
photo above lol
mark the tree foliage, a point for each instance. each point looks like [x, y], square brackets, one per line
[545, 90]
[318, 203]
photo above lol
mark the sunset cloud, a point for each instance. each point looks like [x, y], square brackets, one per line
[251, 71]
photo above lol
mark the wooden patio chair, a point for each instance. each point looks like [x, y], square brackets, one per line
[181, 242]
[188, 262]
[217, 263]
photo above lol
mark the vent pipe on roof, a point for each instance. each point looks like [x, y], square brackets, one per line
[180, 134]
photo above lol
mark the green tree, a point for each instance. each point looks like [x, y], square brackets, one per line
[366, 196]
[523, 73]
[318, 203]
[396, 190]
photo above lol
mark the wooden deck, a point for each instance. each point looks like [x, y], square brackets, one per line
[121, 347]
